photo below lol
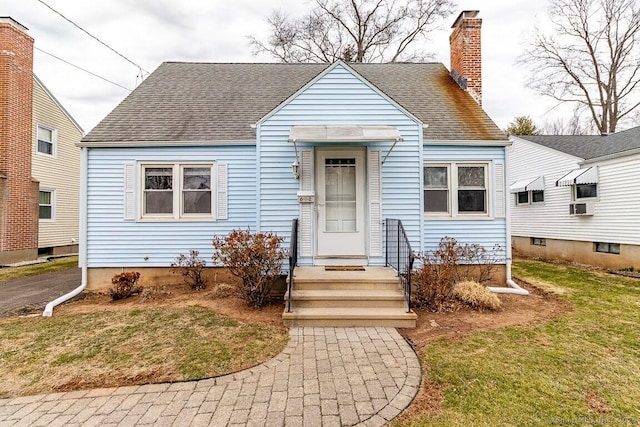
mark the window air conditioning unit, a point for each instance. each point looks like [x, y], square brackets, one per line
[582, 208]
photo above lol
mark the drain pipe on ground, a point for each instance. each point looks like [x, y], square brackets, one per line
[513, 286]
[48, 310]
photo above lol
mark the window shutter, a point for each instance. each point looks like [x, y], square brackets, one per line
[500, 191]
[129, 191]
[222, 203]
[306, 209]
[375, 203]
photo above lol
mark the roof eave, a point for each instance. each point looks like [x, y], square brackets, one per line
[485, 142]
[611, 156]
[133, 144]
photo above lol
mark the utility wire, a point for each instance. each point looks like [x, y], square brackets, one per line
[94, 37]
[82, 69]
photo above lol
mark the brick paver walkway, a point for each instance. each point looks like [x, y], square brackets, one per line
[325, 377]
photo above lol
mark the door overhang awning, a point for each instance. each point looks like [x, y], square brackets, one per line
[344, 133]
[531, 184]
[579, 176]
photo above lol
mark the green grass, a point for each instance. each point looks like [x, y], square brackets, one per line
[580, 369]
[9, 273]
[138, 346]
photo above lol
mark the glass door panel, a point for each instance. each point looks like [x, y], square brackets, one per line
[340, 195]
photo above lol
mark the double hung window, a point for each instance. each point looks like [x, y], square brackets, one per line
[179, 191]
[46, 205]
[456, 189]
[46, 141]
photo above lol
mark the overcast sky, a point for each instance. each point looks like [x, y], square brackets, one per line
[149, 32]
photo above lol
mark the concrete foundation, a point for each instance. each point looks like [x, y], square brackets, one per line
[99, 279]
[12, 257]
[580, 252]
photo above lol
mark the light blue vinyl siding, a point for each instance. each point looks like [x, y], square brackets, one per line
[339, 98]
[114, 242]
[485, 232]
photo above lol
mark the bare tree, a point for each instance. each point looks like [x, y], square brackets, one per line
[591, 57]
[353, 30]
[574, 125]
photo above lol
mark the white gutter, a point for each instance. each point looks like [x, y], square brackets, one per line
[513, 286]
[48, 310]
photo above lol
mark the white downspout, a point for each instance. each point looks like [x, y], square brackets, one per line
[513, 286]
[48, 310]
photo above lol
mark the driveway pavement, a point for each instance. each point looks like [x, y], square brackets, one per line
[28, 294]
[325, 377]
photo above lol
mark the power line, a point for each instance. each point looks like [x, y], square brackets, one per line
[82, 69]
[94, 37]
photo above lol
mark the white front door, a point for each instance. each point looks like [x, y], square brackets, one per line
[340, 181]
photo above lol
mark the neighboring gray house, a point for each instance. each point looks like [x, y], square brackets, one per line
[576, 198]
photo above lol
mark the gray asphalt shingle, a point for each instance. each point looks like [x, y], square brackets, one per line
[590, 146]
[188, 102]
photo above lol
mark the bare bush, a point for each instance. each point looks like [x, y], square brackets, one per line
[124, 285]
[191, 268]
[448, 264]
[255, 258]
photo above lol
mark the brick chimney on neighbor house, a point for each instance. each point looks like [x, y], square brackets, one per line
[466, 55]
[18, 190]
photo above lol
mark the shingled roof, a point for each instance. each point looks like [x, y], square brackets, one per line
[590, 146]
[189, 102]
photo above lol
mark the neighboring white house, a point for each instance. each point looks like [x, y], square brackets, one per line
[56, 165]
[576, 198]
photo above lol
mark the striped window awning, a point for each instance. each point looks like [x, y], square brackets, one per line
[531, 184]
[579, 176]
[344, 133]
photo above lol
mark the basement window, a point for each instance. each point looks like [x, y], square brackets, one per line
[538, 241]
[607, 248]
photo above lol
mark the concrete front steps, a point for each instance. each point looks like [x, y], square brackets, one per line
[372, 297]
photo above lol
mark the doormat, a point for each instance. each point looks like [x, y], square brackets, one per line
[344, 268]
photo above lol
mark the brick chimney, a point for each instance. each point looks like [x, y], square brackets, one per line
[18, 190]
[466, 56]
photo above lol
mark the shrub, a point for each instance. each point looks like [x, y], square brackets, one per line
[124, 285]
[255, 258]
[476, 263]
[434, 280]
[450, 263]
[476, 295]
[191, 268]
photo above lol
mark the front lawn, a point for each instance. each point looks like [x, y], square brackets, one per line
[39, 268]
[107, 348]
[582, 368]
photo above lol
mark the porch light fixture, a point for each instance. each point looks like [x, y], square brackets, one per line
[295, 169]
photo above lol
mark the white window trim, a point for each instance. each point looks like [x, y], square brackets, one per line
[574, 193]
[527, 203]
[452, 169]
[449, 190]
[531, 197]
[54, 141]
[177, 179]
[53, 205]
[530, 200]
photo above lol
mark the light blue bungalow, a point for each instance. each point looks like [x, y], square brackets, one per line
[199, 149]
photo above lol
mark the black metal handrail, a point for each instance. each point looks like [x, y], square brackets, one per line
[399, 255]
[293, 259]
